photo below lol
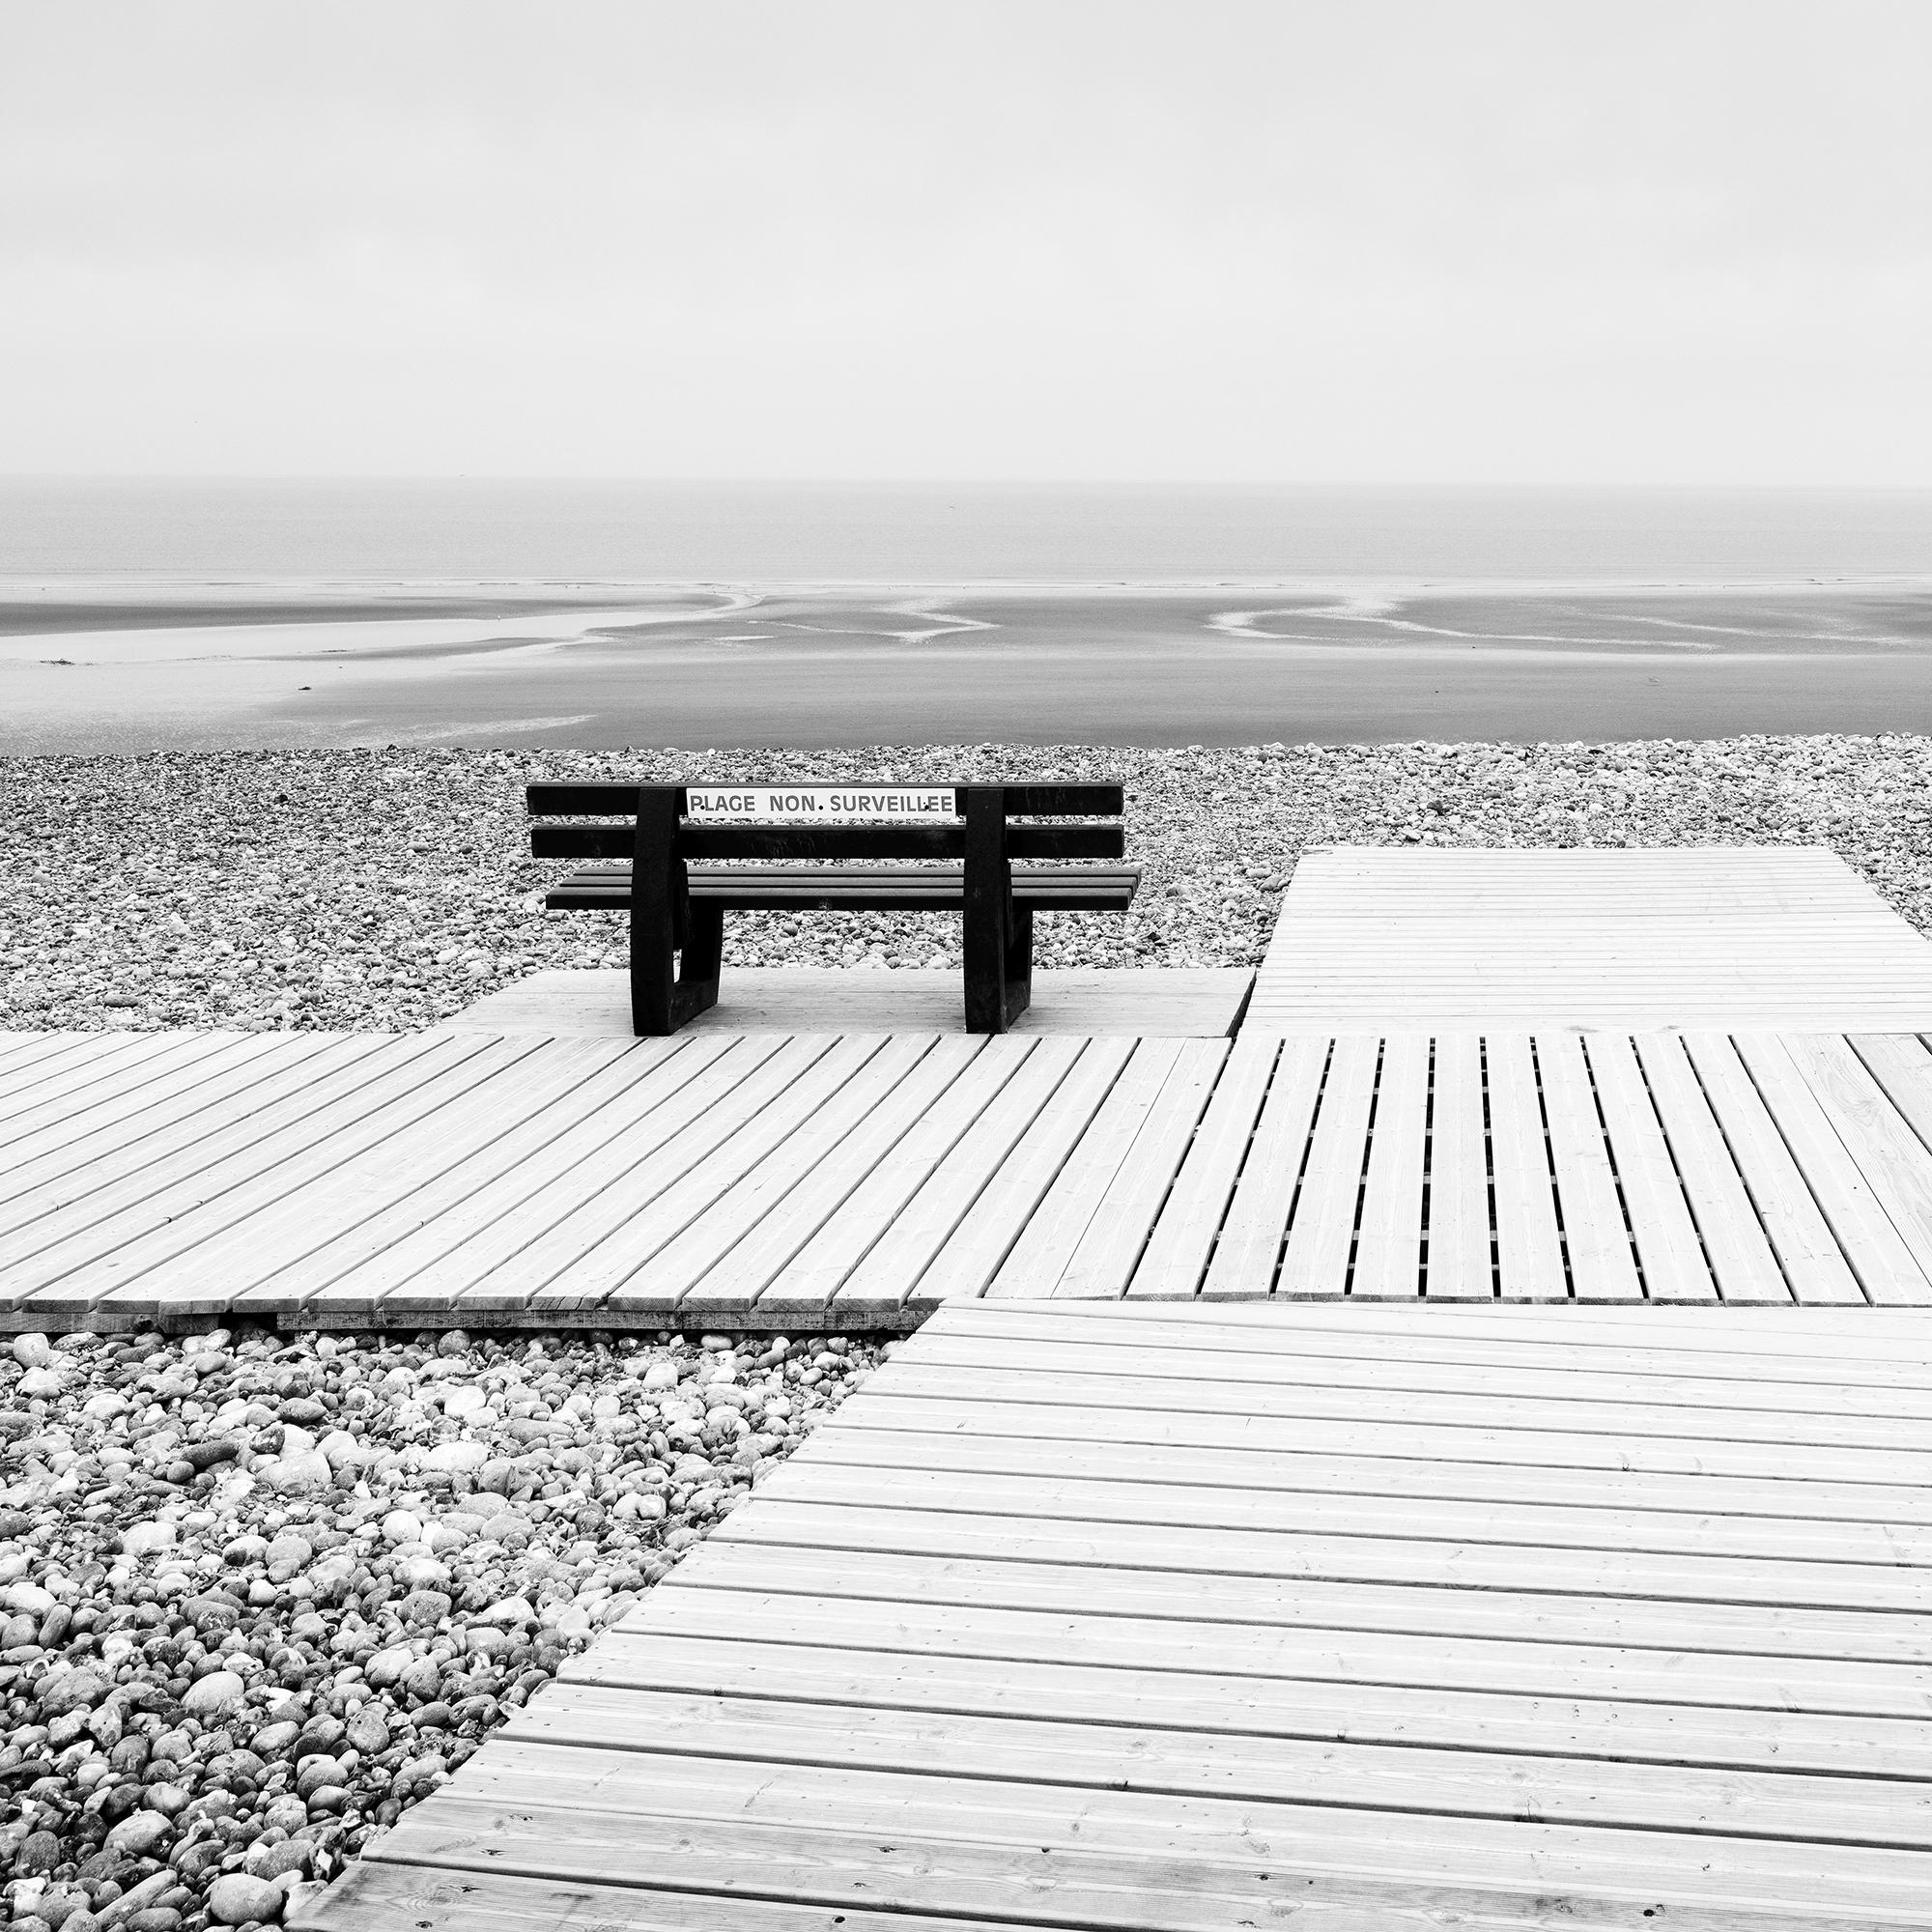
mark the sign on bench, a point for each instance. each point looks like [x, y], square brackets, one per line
[750, 803]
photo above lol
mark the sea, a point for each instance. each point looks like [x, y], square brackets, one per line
[145, 614]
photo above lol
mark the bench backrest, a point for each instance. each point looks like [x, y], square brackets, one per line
[913, 824]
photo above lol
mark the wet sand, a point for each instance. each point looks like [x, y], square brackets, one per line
[609, 666]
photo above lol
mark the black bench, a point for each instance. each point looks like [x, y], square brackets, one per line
[677, 907]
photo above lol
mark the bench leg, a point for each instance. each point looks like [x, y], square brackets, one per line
[999, 968]
[662, 1000]
[1016, 993]
[664, 923]
[696, 989]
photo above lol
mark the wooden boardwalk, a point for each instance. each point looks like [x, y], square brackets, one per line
[1357, 1619]
[1558, 1166]
[709, 1179]
[1740, 939]
[859, 1180]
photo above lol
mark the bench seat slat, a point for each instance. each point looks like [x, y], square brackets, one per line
[932, 888]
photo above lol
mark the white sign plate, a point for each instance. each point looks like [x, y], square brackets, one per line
[748, 803]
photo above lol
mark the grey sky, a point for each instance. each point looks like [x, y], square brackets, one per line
[1683, 242]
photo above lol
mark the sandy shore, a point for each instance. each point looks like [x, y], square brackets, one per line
[1330, 662]
[388, 888]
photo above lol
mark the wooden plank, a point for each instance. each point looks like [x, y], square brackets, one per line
[854, 1470]
[874, 1114]
[1053, 1234]
[1675, 1267]
[1730, 1513]
[921, 1233]
[851, 1564]
[437, 1895]
[1303, 1352]
[1389, 1247]
[1312, 1633]
[1411, 1777]
[831, 1520]
[1743, 1262]
[992, 1664]
[181, 1091]
[394, 1177]
[866, 1509]
[591, 1154]
[1248, 1253]
[895, 1175]
[1529, 1248]
[1176, 1260]
[1595, 1238]
[106, 1088]
[1820, 1405]
[1896, 1384]
[1884, 1264]
[1105, 1258]
[735, 1874]
[1883, 1347]
[1891, 1156]
[1036, 1412]
[198, 1153]
[985, 1235]
[440, 1185]
[722, 1152]
[44, 1069]
[1321, 1236]
[259, 1169]
[19, 1051]
[1901, 1064]
[1460, 1263]
[1697, 1868]
[1063, 1379]
[849, 1655]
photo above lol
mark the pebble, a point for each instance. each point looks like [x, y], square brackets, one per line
[268, 888]
[240, 1898]
[215, 1687]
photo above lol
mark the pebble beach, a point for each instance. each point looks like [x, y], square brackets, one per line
[386, 889]
[257, 1594]
[260, 1593]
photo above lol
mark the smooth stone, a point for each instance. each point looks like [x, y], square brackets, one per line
[143, 1539]
[218, 1695]
[138, 1833]
[237, 1898]
[308, 1469]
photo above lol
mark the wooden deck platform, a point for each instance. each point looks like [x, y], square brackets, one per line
[1354, 1619]
[1742, 939]
[1145, 1003]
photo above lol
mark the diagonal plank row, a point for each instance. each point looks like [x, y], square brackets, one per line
[1525, 1617]
[1599, 1167]
[713, 1178]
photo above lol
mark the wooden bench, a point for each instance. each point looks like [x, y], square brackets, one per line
[952, 850]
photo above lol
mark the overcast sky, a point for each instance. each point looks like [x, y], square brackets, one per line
[1557, 241]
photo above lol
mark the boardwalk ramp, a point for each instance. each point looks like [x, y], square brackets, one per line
[1350, 1619]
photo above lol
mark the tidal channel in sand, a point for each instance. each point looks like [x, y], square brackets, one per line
[117, 668]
